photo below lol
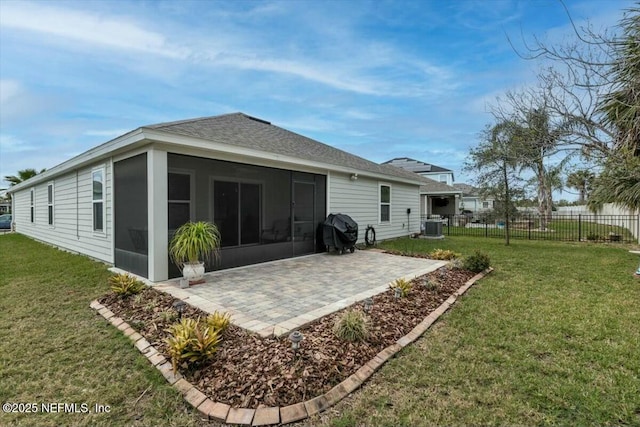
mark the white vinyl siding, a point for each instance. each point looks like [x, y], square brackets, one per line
[72, 197]
[360, 200]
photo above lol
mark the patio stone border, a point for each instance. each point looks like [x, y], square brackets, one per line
[277, 415]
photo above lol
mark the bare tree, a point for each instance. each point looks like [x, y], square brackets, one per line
[594, 84]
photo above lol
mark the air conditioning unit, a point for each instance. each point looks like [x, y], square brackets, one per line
[433, 229]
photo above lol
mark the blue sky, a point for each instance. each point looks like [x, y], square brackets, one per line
[380, 79]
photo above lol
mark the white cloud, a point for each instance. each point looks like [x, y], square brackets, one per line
[11, 144]
[84, 27]
[109, 133]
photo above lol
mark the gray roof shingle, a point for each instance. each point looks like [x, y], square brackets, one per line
[241, 130]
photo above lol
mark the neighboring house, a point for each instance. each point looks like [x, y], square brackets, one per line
[267, 189]
[5, 203]
[437, 195]
[436, 173]
[472, 200]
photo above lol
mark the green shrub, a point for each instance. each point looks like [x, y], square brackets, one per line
[125, 285]
[191, 341]
[443, 254]
[351, 325]
[431, 285]
[477, 262]
[219, 321]
[456, 264]
[404, 286]
[593, 237]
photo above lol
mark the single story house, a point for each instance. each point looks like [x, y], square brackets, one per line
[267, 189]
[437, 195]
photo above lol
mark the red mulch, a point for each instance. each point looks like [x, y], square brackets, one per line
[248, 371]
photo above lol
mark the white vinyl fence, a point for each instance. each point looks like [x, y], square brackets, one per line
[611, 215]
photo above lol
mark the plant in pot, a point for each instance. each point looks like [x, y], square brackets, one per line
[192, 244]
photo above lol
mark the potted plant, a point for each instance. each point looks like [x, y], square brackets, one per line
[192, 244]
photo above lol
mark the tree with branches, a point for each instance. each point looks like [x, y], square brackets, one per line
[594, 84]
[495, 163]
[582, 181]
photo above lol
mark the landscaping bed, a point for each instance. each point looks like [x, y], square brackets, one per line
[249, 371]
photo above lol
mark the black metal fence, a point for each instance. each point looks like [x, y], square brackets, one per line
[561, 227]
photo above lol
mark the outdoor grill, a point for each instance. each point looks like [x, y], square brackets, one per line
[340, 232]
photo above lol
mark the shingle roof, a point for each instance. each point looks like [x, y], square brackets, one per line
[241, 130]
[467, 190]
[433, 186]
[415, 165]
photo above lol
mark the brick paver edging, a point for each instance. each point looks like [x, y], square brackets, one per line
[277, 415]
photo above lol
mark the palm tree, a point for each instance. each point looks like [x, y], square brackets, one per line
[619, 181]
[23, 175]
[538, 141]
[621, 107]
[582, 181]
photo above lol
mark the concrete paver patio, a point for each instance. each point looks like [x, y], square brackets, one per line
[276, 297]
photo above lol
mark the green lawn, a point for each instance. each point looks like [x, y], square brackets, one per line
[54, 349]
[551, 337]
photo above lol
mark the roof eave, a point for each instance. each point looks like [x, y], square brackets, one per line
[93, 155]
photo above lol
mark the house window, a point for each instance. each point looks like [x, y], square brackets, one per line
[97, 178]
[236, 212]
[443, 178]
[179, 198]
[385, 203]
[50, 203]
[485, 205]
[32, 206]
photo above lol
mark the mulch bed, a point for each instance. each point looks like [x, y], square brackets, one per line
[248, 371]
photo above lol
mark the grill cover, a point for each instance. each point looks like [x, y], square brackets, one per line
[340, 231]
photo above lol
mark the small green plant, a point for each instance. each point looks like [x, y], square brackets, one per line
[477, 262]
[194, 242]
[219, 321]
[592, 237]
[443, 254]
[125, 285]
[167, 316]
[404, 286]
[352, 325]
[456, 264]
[431, 285]
[192, 341]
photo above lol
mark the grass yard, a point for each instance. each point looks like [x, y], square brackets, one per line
[551, 337]
[54, 349]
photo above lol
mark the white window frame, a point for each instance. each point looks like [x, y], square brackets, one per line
[100, 169]
[381, 203]
[51, 204]
[485, 205]
[32, 206]
[446, 178]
